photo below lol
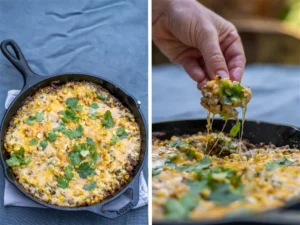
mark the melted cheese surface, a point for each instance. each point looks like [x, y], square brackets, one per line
[115, 162]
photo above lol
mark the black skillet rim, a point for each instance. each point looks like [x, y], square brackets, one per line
[134, 179]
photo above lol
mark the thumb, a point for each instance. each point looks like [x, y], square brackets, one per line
[215, 62]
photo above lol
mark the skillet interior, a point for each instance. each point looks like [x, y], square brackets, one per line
[254, 131]
[127, 100]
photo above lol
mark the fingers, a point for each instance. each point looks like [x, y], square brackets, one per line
[234, 55]
[201, 84]
[212, 54]
[192, 67]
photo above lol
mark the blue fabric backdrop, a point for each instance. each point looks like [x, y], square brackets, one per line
[276, 94]
[106, 38]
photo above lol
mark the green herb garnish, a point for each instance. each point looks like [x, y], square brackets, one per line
[30, 120]
[73, 134]
[282, 162]
[39, 117]
[43, 144]
[72, 103]
[121, 133]
[90, 186]
[51, 136]
[93, 116]
[107, 120]
[33, 141]
[114, 140]
[69, 115]
[84, 170]
[180, 209]
[17, 158]
[94, 105]
[179, 144]
[102, 96]
[235, 129]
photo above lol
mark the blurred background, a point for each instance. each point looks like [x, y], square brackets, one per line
[270, 32]
[269, 29]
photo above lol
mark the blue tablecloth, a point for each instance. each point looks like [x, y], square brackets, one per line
[276, 94]
[106, 38]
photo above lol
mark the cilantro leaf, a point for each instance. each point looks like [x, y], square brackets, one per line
[223, 196]
[84, 153]
[90, 186]
[202, 164]
[189, 201]
[179, 144]
[180, 209]
[13, 160]
[39, 117]
[196, 186]
[175, 210]
[156, 171]
[69, 172]
[93, 116]
[73, 134]
[114, 140]
[74, 157]
[90, 141]
[72, 103]
[62, 182]
[107, 120]
[44, 144]
[51, 136]
[69, 115]
[102, 96]
[60, 127]
[30, 120]
[282, 162]
[94, 105]
[235, 129]
[84, 170]
[191, 154]
[17, 158]
[121, 133]
[93, 156]
[33, 141]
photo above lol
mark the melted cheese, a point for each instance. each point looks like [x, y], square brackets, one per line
[39, 177]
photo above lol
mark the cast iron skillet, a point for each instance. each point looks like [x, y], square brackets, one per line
[256, 132]
[112, 207]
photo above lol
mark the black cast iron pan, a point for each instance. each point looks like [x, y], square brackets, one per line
[256, 132]
[120, 202]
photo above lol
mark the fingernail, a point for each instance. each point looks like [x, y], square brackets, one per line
[222, 74]
[237, 74]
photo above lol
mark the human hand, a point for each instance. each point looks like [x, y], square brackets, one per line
[202, 42]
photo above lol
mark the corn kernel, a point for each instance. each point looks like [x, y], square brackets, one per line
[16, 121]
[38, 103]
[61, 198]
[65, 91]
[49, 108]
[89, 178]
[126, 176]
[77, 166]
[59, 134]
[205, 192]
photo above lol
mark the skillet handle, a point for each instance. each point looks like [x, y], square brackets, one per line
[120, 205]
[19, 61]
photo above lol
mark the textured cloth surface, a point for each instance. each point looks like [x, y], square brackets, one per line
[276, 94]
[107, 38]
